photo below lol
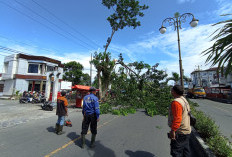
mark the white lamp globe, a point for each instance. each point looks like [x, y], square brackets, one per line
[162, 30]
[194, 22]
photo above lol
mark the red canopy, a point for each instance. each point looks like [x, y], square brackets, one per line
[81, 87]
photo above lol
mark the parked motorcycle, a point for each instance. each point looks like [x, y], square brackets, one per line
[47, 106]
[23, 100]
[38, 99]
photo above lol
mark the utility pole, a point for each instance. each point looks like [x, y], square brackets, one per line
[91, 71]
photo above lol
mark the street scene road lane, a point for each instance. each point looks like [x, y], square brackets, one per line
[221, 113]
[134, 135]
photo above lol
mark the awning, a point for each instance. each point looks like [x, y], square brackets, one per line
[82, 87]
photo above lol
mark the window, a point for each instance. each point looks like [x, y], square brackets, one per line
[33, 68]
[50, 68]
[199, 90]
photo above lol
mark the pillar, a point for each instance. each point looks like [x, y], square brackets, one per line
[48, 88]
[55, 88]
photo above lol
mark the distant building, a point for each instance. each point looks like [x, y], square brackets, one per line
[210, 78]
[31, 73]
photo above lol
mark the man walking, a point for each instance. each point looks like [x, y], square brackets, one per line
[91, 114]
[179, 122]
[61, 112]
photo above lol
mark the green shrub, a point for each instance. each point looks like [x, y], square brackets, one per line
[151, 108]
[116, 112]
[131, 110]
[220, 146]
[205, 125]
[209, 131]
[123, 112]
[105, 108]
[17, 92]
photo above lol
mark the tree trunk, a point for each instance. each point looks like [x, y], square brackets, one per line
[99, 83]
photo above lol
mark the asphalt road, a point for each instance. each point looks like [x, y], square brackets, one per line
[221, 113]
[135, 135]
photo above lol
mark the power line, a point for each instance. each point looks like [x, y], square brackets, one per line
[51, 22]
[40, 23]
[64, 22]
[27, 44]
[12, 50]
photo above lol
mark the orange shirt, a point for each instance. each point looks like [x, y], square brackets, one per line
[62, 98]
[177, 115]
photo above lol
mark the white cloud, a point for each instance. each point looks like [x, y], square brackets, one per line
[225, 7]
[193, 41]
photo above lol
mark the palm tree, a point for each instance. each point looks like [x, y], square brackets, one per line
[176, 77]
[221, 51]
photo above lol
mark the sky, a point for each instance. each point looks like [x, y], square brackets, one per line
[72, 30]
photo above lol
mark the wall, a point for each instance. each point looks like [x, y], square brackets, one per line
[21, 85]
[12, 67]
[22, 66]
[8, 87]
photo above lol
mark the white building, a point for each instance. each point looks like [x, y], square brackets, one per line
[210, 78]
[31, 73]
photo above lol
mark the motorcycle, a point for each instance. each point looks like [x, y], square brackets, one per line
[23, 100]
[47, 106]
[40, 99]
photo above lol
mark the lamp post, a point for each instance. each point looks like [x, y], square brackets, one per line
[176, 22]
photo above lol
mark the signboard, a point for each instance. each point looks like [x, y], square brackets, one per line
[65, 85]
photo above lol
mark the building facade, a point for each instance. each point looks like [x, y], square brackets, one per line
[31, 73]
[210, 78]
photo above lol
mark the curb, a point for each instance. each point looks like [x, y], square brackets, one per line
[201, 147]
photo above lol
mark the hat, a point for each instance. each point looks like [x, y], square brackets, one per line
[92, 89]
[63, 93]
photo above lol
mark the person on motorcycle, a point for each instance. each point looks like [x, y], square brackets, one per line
[61, 112]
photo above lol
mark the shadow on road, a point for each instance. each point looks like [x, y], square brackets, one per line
[99, 151]
[51, 129]
[74, 136]
[139, 154]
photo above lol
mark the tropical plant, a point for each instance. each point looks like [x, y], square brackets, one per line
[176, 77]
[125, 13]
[141, 87]
[221, 51]
[85, 79]
[73, 72]
[104, 66]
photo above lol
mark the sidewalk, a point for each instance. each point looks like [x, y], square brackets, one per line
[13, 113]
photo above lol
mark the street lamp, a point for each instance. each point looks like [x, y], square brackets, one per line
[176, 21]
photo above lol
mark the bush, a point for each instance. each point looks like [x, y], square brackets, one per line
[116, 112]
[205, 125]
[209, 131]
[151, 108]
[131, 110]
[124, 111]
[220, 146]
[105, 108]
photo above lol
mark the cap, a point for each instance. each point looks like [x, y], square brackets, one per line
[63, 93]
[92, 89]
